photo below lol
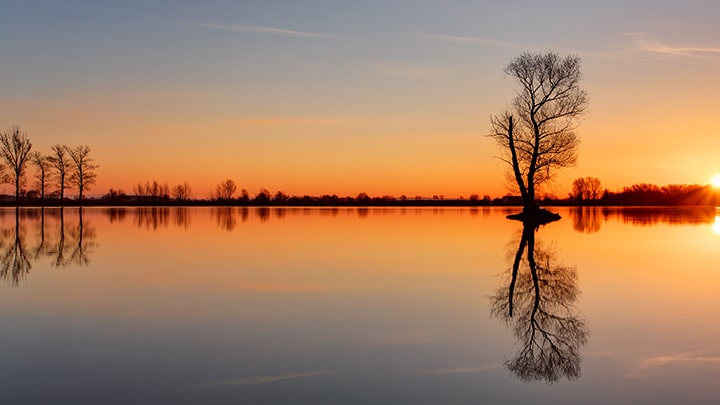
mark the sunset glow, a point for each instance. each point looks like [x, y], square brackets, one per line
[312, 98]
[715, 181]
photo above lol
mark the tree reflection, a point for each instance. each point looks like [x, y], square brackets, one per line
[83, 236]
[590, 219]
[59, 251]
[182, 217]
[60, 243]
[14, 264]
[538, 305]
[152, 217]
[225, 217]
[586, 219]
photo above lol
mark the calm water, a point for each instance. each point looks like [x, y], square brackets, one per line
[231, 305]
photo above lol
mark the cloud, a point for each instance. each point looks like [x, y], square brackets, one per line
[408, 72]
[644, 44]
[289, 121]
[258, 380]
[648, 365]
[464, 370]
[459, 39]
[257, 29]
[287, 287]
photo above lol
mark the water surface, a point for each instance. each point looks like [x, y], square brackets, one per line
[358, 305]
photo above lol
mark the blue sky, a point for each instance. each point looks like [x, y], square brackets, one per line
[388, 97]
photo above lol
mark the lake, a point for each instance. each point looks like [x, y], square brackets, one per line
[358, 305]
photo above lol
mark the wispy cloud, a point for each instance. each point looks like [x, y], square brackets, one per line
[643, 43]
[464, 370]
[257, 29]
[290, 121]
[460, 39]
[287, 287]
[646, 366]
[258, 380]
[408, 71]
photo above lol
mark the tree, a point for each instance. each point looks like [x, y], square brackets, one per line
[594, 188]
[42, 164]
[537, 132]
[61, 163]
[263, 197]
[83, 174]
[587, 188]
[280, 197]
[182, 192]
[579, 189]
[225, 190]
[15, 151]
[154, 192]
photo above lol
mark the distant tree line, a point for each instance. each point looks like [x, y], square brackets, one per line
[585, 191]
[227, 192]
[64, 167]
[588, 191]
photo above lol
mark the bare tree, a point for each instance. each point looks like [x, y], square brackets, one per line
[83, 175]
[182, 192]
[154, 192]
[594, 188]
[62, 164]
[542, 136]
[225, 190]
[579, 189]
[43, 166]
[586, 188]
[15, 151]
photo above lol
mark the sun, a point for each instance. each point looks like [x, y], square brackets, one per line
[715, 181]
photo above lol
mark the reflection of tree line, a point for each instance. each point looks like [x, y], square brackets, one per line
[589, 219]
[538, 304]
[49, 237]
[226, 217]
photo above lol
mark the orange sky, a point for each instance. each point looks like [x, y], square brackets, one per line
[378, 97]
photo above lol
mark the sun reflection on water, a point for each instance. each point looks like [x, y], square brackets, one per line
[716, 225]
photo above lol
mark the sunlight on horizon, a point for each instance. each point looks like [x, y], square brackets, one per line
[715, 181]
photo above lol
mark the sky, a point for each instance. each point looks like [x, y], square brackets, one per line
[386, 97]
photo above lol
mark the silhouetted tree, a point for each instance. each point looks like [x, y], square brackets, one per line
[225, 190]
[182, 192]
[587, 188]
[15, 151]
[115, 195]
[154, 191]
[280, 198]
[538, 304]
[594, 188]
[263, 196]
[43, 167]
[537, 133]
[579, 189]
[83, 175]
[362, 198]
[62, 164]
